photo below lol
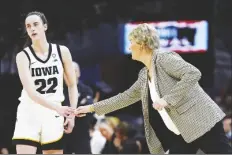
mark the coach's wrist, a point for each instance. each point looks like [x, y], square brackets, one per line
[91, 108]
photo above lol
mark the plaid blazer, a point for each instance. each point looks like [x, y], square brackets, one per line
[176, 81]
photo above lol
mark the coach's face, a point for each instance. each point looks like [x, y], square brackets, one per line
[135, 49]
[35, 27]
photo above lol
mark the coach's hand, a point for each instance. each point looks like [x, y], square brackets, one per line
[159, 104]
[69, 124]
[65, 111]
[83, 110]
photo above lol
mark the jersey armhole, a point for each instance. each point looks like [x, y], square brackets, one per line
[28, 58]
[59, 53]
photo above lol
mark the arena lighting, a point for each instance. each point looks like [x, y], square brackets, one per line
[187, 36]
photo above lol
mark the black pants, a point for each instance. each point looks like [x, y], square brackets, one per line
[212, 142]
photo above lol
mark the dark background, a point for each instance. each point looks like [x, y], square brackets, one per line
[91, 30]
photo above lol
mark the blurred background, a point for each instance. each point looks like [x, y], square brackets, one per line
[96, 32]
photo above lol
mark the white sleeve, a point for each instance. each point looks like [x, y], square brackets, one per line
[97, 142]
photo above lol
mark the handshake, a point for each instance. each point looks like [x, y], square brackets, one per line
[69, 112]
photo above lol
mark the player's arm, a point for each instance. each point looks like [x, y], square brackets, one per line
[28, 84]
[69, 76]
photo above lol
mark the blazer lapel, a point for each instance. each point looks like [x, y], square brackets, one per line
[145, 95]
[154, 73]
[145, 106]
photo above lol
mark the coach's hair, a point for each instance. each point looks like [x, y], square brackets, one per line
[146, 35]
[42, 17]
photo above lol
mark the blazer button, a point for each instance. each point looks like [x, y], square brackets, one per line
[168, 110]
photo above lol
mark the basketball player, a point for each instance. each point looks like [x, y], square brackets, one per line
[41, 68]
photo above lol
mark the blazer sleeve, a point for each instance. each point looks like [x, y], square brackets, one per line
[176, 67]
[128, 97]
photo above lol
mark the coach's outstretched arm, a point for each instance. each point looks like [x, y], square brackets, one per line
[27, 82]
[128, 97]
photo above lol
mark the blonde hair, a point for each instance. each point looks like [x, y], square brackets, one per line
[147, 35]
[113, 121]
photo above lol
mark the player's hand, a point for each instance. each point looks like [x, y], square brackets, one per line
[69, 124]
[159, 104]
[65, 111]
[82, 110]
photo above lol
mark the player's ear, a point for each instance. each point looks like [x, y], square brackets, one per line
[45, 27]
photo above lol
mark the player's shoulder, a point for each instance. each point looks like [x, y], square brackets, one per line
[21, 56]
[63, 48]
[64, 51]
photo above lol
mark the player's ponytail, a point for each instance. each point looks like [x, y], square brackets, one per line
[27, 43]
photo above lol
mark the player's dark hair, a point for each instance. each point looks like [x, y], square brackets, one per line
[44, 20]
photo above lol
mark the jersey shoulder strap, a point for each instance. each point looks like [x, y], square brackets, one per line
[29, 59]
[59, 53]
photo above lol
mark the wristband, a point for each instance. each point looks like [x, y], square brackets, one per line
[91, 108]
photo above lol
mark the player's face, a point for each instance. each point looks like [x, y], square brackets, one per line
[35, 27]
[135, 49]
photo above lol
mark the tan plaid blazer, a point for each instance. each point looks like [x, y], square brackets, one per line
[176, 81]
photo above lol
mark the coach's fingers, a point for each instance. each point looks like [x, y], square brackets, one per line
[160, 108]
[70, 110]
[157, 106]
[79, 110]
[81, 115]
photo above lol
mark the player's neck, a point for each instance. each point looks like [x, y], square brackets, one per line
[40, 46]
